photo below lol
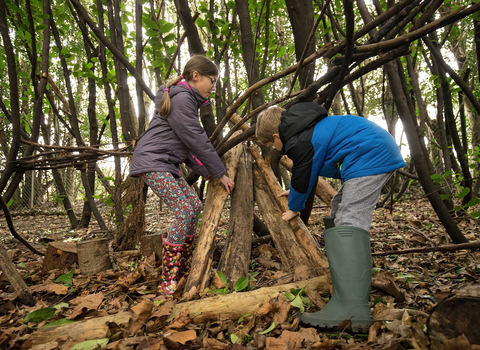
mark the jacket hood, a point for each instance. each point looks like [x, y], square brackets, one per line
[298, 118]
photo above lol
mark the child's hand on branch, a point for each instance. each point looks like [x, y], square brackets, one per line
[284, 193]
[289, 215]
[227, 182]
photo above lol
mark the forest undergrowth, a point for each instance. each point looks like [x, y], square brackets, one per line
[405, 287]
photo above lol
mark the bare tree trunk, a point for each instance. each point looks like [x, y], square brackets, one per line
[418, 157]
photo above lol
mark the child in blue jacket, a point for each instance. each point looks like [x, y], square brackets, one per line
[363, 155]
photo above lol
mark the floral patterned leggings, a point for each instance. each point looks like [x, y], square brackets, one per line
[179, 196]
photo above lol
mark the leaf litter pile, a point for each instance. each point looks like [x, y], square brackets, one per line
[121, 309]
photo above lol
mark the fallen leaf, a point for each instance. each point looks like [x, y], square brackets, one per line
[182, 337]
[87, 302]
[213, 344]
[49, 288]
[181, 320]
[142, 312]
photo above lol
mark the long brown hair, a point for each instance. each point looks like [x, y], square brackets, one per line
[199, 63]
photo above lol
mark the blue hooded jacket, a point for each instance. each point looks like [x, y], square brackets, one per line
[340, 147]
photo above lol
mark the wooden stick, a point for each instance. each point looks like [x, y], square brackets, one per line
[440, 248]
[305, 239]
[17, 282]
[216, 197]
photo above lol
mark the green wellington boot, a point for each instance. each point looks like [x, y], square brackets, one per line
[350, 259]
[329, 222]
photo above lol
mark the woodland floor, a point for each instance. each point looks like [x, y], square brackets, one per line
[414, 283]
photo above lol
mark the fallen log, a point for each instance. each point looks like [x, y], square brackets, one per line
[454, 320]
[235, 259]
[17, 282]
[94, 328]
[203, 253]
[289, 249]
[235, 305]
[440, 248]
[305, 239]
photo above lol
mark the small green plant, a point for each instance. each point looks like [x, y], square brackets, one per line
[66, 279]
[297, 299]
[132, 266]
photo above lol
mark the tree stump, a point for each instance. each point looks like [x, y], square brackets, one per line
[455, 319]
[93, 256]
[60, 255]
[235, 259]
[150, 244]
[17, 282]
[203, 253]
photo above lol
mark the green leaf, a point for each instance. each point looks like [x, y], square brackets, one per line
[68, 277]
[58, 323]
[473, 201]
[240, 320]
[151, 33]
[157, 302]
[40, 315]
[91, 344]
[289, 296]
[149, 23]
[269, 329]
[298, 303]
[445, 196]
[60, 305]
[233, 338]
[463, 193]
[222, 276]
[240, 284]
[166, 27]
[108, 178]
[10, 202]
[231, 4]
[22, 264]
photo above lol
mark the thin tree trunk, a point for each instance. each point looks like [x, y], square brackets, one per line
[418, 157]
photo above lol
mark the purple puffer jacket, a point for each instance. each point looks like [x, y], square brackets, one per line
[178, 138]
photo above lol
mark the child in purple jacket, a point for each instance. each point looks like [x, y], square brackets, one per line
[175, 136]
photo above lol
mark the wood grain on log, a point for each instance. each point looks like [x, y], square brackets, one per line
[95, 328]
[60, 255]
[216, 197]
[93, 256]
[304, 238]
[235, 259]
[455, 317]
[235, 305]
[289, 249]
[17, 282]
